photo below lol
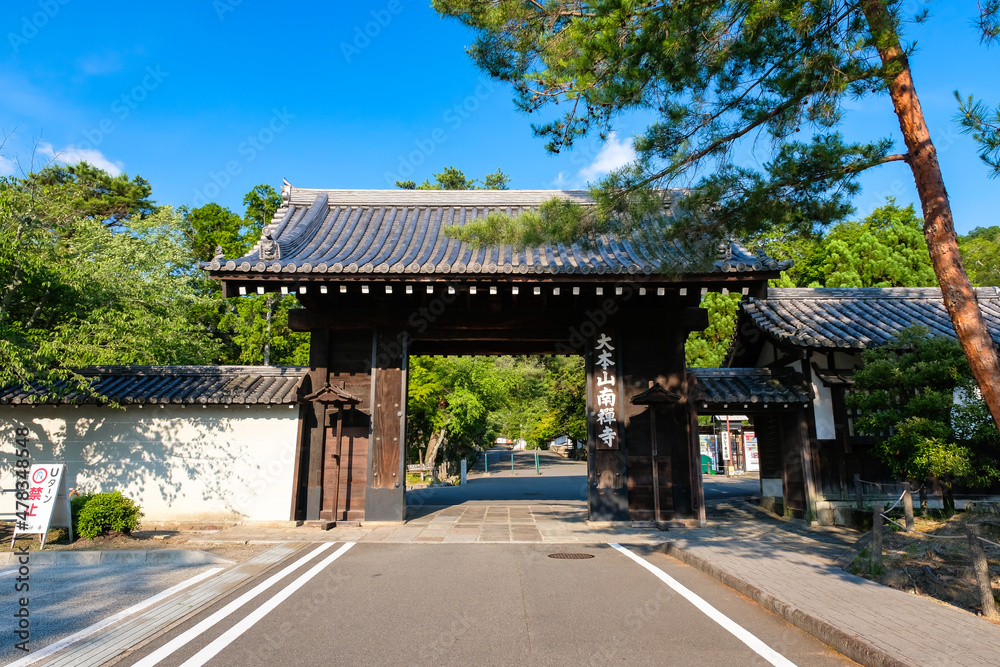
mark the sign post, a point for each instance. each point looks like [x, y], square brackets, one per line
[45, 504]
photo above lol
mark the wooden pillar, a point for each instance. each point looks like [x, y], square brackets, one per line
[299, 470]
[698, 499]
[385, 497]
[653, 356]
[808, 466]
[607, 490]
[319, 346]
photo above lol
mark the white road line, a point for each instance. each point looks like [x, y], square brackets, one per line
[759, 647]
[185, 637]
[227, 638]
[110, 620]
[6, 572]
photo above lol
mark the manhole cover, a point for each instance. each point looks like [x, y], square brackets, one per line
[571, 556]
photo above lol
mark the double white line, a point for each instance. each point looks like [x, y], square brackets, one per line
[210, 651]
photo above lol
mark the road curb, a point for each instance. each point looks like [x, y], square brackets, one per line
[850, 645]
[121, 557]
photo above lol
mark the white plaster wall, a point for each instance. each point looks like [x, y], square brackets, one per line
[180, 464]
[823, 403]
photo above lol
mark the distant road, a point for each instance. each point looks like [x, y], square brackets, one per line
[561, 480]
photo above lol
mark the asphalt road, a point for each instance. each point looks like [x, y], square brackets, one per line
[64, 599]
[485, 604]
[561, 479]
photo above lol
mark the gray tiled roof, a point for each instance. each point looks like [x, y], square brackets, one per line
[860, 317]
[402, 232]
[747, 386]
[179, 385]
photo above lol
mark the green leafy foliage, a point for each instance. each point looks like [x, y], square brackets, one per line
[477, 399]
[905, 396]
[105, 512]
[258, 327]
[62, 194]
[211, 226]
[78, 290]
[885, 249]
[980, 250]
[76, 504]
[708, 348]
[454, 179]
[983, 124]
[252, 329]
[710, 76]
[261, 204]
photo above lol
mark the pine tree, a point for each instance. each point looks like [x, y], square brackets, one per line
[715, 74]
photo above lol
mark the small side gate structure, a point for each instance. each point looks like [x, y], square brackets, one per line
[380, 279]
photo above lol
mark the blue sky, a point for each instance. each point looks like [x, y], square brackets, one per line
[207, 99]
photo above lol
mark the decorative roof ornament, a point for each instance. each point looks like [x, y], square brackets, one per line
[331, 395]
[726, 247]
[219, 253]
[269, 250]
[655, 394]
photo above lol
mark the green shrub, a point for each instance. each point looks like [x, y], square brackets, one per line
[105, 512]
[76, 504]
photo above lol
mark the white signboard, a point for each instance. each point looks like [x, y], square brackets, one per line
[45, 503]
[724, 436]
[750, 449]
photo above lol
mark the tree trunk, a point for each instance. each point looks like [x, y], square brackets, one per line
[939, 228]
[948, 498]
[433, 446]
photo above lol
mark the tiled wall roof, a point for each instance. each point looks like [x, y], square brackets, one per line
[178, 385]
[747, 386]
[858, 318]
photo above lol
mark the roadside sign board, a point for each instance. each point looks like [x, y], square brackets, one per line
[750, 448]
[46, 503]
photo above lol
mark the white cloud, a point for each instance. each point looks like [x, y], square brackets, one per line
[559, 182]
[71, 155]
[613, 155]
[7, 166]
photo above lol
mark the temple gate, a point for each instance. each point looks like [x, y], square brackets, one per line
[380, 279]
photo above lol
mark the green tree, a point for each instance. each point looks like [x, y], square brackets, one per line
[211, 226]
[886, 249]
[714, 76]
[251, 329]
[451, 400]
[708, 348]
[261, 204]
[981, 255]
[79, 290]
[460, 405]
[565, 397]
[258, 326]
[63, 194]
[905, 396]
[454, 179]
